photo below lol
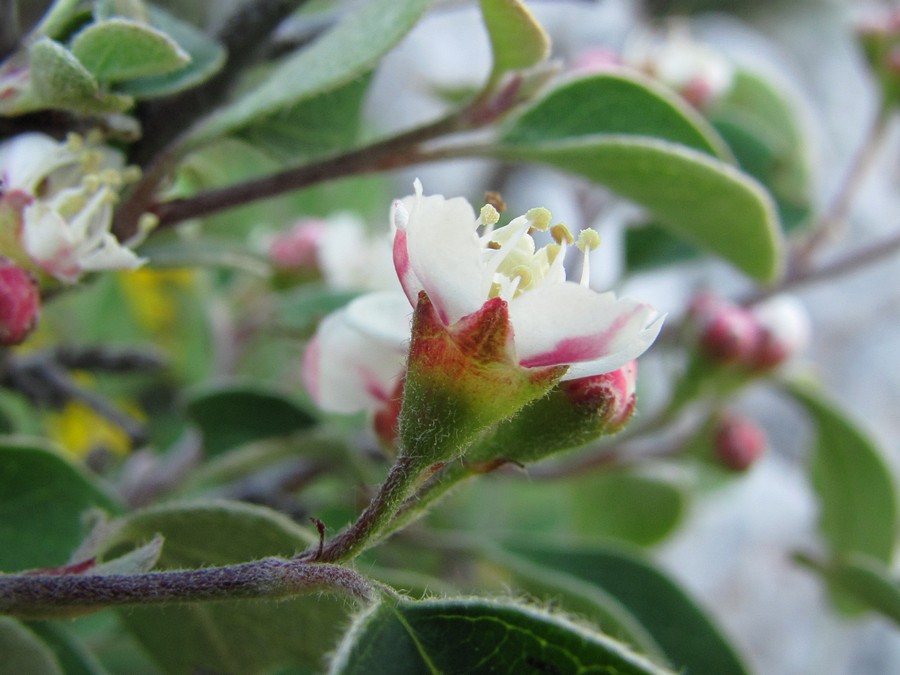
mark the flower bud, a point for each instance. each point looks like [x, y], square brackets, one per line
[726, 333]
[784, 332]
[574, 413]
[738, 442]
[297, 248]
[20, 303]
[879, 36]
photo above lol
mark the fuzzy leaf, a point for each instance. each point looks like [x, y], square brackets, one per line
[857, 495]
[43, 497]
[478, 635]
[238, 636]
[120, 49]
[517, 40]
[698, 197]
[689, 639]
[23, 653]
[614, 103]
[206, 58]
[349, 50]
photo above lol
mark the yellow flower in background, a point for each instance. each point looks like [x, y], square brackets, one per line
[78, 430]
[152, 295]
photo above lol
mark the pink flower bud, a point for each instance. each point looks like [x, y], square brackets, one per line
[784, 332]
[20, 303]
[738, 442]
[297, 248]
[610, 397]
[726, 333]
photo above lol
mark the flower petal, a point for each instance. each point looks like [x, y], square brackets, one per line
[570, 324]
[443, 253]
[358, 354]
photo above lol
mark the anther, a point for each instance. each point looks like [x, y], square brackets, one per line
[561, 233]
[489, 215]
[539, 218]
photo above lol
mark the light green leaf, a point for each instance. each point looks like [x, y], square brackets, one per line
[350, 49]
[517, 40]
[22, 653]
[59, 80]
[42, 497]
[121, 49]
[857, 494]
[58, 17]
[689, 639]
[231, 637]
[614, 103]
[698, 197]
[865, 579]
[206, 58]
[234, 416]
[478, 636]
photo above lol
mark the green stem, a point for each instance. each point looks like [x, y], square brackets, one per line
[44, 596]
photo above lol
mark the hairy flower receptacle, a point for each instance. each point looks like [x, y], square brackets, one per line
[20, 303]
[573, 413]
[462, 379]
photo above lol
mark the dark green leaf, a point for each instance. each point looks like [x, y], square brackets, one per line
[120, 49]
[478, 636]
[857, 495]
[22, 653]
[689, 639]
[229, 637]
[517, 40]
[71, 654]
[42, 497]
[231, 417]
[613, 103]
[206, 57]
[698, 197]
[349, 50]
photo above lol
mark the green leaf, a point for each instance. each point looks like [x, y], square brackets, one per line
[71, 654]
[120, 49]
[42, 497]
[22, 653]
[614, 103]
[350, 49]
[700, 198]
[689, 639]
[206, 58]
[326, 123]
[517, 40]
[866, 580]
[58, 17]
[234, 637]
[478, 636]
[231, 417]
[59, 80]
[857, 494]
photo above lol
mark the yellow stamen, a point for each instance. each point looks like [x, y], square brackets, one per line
[494, 246]
[489, 215]
[561, 233]
[131, 174]
[588, 240]
[539, 218]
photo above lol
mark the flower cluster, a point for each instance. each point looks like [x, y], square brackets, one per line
[495, 324]
[57, 205]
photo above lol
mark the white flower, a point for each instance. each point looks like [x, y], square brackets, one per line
[67, 192]
[461, 261]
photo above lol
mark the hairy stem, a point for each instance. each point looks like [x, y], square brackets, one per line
[36, 596]
[393, 493]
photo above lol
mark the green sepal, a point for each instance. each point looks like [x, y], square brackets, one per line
[463, 379]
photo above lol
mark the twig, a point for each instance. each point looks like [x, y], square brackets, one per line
[39, 596]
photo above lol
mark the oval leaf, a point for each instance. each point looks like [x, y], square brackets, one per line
[614, 103]
[22, 653]
[42, 497]
[478, 636]
[699, 198]
[349, 50]
[857, 495]
[517, 40]
[229, 637]
[687, 636]
[120, 49]
[235, 416]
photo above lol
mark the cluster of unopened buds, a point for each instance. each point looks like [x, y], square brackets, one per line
[488, 349]
[757, 338]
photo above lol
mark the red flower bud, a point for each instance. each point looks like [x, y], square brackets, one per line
[20, 303]
[297, 248]
[726, 333]
[609, 397]
[738, 442]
